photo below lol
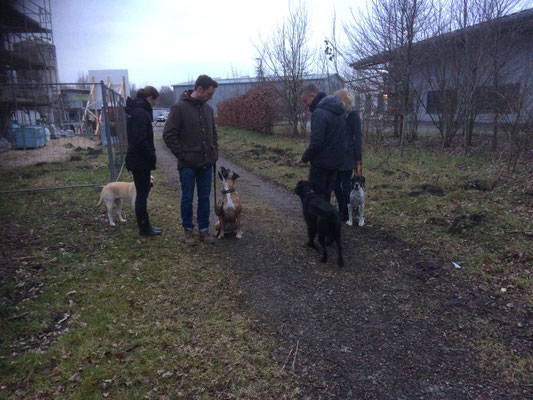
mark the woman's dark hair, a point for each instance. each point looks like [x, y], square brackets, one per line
[148, 91]
[205, 81]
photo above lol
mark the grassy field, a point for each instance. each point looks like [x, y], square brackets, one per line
[468, 210]
[91, 312]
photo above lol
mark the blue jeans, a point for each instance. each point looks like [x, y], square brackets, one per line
[189, 177]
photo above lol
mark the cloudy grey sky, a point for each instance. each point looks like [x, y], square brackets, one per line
[163, 42]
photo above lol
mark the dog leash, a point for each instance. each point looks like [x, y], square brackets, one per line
[358, 167]
[215, 184]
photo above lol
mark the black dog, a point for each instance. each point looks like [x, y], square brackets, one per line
[322, 218]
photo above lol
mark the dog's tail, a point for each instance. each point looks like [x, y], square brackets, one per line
[100, 201]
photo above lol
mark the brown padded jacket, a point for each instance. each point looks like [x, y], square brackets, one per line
[190, 133]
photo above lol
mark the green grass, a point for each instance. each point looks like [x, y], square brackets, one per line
[496, 250]
[89, 311]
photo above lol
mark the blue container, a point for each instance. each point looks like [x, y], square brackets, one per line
[29, 137]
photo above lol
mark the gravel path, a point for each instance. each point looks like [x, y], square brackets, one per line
[396, 322]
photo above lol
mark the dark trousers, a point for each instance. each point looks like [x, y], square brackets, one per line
[342, 189]
[142, 187]
[322, 181]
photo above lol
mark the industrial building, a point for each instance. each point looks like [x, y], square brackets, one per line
[233, 87]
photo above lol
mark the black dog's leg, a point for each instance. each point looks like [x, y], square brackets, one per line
[311, 233]
[340, 260]
[322, 234]
[322, 241]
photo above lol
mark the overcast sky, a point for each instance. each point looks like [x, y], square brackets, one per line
[164, 42]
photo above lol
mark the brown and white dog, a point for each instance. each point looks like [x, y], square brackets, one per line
[116, 193]
[229, 208]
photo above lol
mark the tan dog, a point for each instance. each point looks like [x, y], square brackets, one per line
[229, 208]
[117, 192]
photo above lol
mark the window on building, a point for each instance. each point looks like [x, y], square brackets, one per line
[438, 101]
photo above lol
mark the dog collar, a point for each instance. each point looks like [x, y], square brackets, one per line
[228, 191]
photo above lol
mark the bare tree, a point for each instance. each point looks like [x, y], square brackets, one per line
[382, 39]
[513, 103]
[82, 80]
[133, 90]
[483, 54]
[502, 42]
[260, 70]
[439, 71]
[286, 59]
[518, 124]
[166, 96]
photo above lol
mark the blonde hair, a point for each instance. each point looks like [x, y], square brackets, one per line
[346, 98]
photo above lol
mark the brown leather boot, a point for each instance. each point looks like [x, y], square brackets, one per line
[189, 237]
[206, 237]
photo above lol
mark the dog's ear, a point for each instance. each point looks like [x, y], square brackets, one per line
[362, 181]
[234, 176]
[298, 187]
[223, 173]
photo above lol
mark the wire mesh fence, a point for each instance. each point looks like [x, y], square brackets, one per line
[62, 124]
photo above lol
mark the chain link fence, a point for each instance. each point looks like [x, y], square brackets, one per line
[43, 124]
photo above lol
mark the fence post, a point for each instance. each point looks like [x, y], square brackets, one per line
[107, 125]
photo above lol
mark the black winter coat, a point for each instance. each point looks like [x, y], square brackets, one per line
[353, 148]
[141, 150]
[328, 125]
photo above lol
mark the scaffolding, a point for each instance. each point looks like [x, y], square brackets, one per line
[41, 119]
[28, 63]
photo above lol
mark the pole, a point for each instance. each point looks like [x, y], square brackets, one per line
[107, 125]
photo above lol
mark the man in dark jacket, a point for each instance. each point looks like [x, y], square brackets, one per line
[191, 135]
[325, 148]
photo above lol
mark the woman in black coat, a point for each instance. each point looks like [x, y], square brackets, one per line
[353, 153]
[140, 158]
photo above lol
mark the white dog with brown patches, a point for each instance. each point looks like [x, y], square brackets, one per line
[229, 208]
[117, 193]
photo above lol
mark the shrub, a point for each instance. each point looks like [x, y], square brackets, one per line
[257, 110]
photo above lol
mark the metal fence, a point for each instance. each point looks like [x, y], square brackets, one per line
[57, 123]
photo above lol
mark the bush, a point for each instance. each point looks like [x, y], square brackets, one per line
[257, 110]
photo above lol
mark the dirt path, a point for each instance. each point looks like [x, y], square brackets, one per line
[394, 323]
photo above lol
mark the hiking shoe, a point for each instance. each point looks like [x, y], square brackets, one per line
[190, 240]
[206, 237]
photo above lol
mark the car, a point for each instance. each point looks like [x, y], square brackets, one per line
[161, 118]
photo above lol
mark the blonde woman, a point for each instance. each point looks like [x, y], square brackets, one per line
[353, 152]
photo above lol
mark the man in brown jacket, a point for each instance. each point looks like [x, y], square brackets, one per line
[191, 135]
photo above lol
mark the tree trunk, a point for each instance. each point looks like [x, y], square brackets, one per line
[495, 127]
